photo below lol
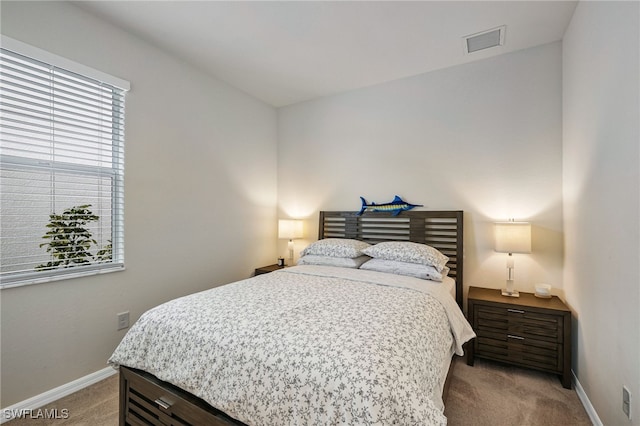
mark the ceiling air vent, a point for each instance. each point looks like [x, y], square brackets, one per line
[484, 40]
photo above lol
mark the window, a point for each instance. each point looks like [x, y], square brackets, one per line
[61, 167]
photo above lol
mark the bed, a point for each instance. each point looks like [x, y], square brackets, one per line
[306, 345]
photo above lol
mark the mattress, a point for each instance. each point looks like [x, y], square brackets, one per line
[307, 345]
[450, 284]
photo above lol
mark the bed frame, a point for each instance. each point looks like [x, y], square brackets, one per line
[146, 400]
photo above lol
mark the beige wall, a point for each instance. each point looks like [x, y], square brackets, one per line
[484, 137]
[200, 190]
[601, 195]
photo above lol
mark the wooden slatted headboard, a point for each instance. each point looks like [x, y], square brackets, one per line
[442, 230]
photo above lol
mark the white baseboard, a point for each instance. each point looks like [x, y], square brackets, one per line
[47, 397]
[591, 412]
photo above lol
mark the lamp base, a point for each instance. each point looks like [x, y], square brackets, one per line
[290, 246]
[508, 293]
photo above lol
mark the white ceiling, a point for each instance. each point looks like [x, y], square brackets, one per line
[287, 52]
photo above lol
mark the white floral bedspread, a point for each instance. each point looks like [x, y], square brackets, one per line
[307, 345]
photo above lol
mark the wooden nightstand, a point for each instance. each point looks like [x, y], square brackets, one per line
[527, 331]
[267, 269]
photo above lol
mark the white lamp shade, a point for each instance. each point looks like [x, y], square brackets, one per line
[513, 237]
[290, 229]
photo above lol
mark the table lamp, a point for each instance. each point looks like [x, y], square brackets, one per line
[512, 237]
[290, 229]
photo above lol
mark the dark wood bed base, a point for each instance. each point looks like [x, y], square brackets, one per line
[146, 400]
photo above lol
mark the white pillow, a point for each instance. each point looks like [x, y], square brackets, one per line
[336, 247]
[416, 270]
[343, 262]
[405, 251]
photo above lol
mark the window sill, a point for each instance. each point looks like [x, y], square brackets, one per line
[60, 277]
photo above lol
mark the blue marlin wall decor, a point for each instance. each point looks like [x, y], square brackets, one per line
[396, 206]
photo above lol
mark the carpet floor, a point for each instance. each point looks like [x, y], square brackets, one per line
[494, 394]
[487, 394]
[96, 405]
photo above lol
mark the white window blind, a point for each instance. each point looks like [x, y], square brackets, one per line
[61, 171]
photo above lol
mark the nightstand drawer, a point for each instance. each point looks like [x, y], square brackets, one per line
[520, 322]
[492, 318]
[551, 332]
[525, 352]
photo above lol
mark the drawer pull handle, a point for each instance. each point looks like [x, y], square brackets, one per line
[511, 336]
[163, 404]
[516, 311]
